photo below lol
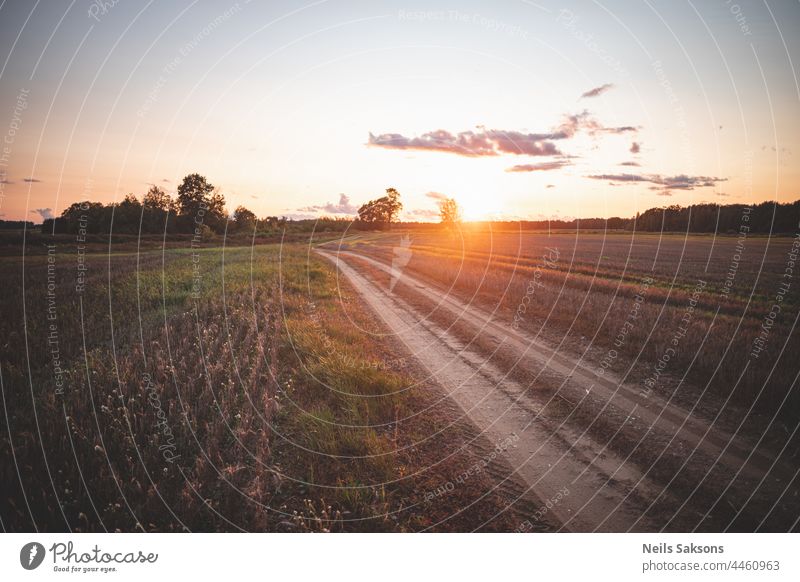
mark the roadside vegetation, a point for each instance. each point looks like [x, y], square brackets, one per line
[215, 389]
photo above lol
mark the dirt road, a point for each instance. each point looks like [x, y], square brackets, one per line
[630, 461]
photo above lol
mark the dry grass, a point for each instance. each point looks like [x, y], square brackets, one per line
[255, 406]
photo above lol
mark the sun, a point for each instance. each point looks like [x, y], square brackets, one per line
[479, 206]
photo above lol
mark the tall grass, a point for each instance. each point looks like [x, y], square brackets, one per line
[200, 392]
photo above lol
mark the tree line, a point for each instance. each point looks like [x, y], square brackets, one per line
[199, 208]
[15, 224]
[766, 217]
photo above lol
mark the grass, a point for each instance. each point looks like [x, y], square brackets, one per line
[224, 389]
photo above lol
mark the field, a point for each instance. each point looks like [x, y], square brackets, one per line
[653, 376]
[212, 389]
[575, 289]
[257, 387]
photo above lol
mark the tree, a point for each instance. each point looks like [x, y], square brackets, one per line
[157, 199]
[86, 216]
[215, 216]
[127, 215]
[159, 211]
[383, 210]
[243, 219]
[449, 212]
[201, 204]
[193, 193]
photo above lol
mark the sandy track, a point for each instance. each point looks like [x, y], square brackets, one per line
[650, 408]
[607, 491]
[546, 460]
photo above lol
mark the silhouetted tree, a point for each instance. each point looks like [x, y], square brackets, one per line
[126, 215]
[193, 193]
[243, 219]
[157, 199]
[384, 210]
[159, 211]
[449, 212]
[200, 204]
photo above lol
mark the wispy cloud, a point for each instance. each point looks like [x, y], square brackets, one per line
[619, 129]
[31, 180]
[470, 143]
[633, 164]
[663, 184]
[584, 121]
[421, 213]
[619, 177]
[635, 148]
[44, 213]
[597, 91]
[342, 207]
[438, 196]
[542, 167]
[440, 200]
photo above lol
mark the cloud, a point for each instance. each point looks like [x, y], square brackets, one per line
[5, 181]
[635, 148]
[165, 180]
[466, 143]
[302, 216]
[633, 164]
[576, 122]
[584, 121]
[44, 213]
[542, 167]
[597, 91]
[619, 177]
[684, 182]
[421, 213]
[493, 142]
[342, 207]
[620, 129]
[550, 186]
[471, 144]
[438, 196]
[31, 180]
[440, 200]
[665, 184]
[531, 144]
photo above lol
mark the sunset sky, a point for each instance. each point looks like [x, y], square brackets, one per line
[516, 109]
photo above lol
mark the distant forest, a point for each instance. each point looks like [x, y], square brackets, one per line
[199, 209]
[766, 217]
[15, 224]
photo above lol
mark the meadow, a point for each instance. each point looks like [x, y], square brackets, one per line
[216, 388]
[157, 385]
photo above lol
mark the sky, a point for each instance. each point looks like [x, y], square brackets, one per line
[517, 109]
